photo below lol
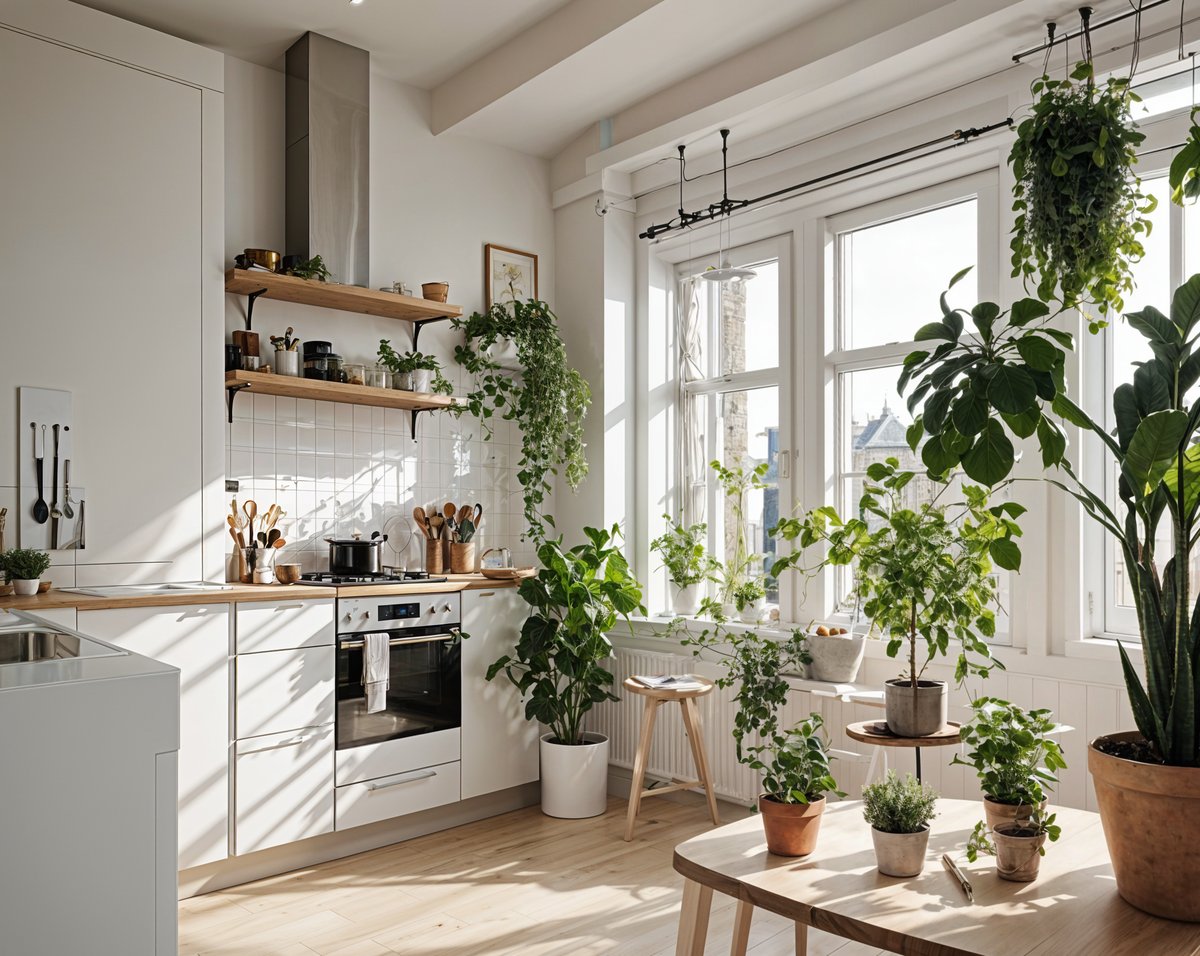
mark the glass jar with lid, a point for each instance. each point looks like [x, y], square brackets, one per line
[354, 374]
[379, 376]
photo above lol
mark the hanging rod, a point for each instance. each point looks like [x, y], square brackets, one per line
[727, 206]
[1076, 34]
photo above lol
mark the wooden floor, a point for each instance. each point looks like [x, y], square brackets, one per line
[519, 883]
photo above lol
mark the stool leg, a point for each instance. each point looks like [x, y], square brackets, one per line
[691, 720]
[693, 919]
[639, 765]
[741, 928]
[801, 938]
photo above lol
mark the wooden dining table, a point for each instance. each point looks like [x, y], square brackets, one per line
[1072, 909]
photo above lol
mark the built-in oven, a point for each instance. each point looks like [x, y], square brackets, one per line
[423, 673]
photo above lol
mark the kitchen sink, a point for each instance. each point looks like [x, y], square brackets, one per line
[29, 644]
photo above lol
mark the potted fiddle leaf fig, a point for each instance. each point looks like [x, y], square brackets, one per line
[1010, 374]
[899, 811]
[1012, 752]
[923, 576]
[687, 562]
[1080, 213]
[576, 597]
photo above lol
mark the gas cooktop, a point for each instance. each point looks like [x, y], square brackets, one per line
[325, 579]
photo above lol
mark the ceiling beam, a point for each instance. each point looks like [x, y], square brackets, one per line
[546, 44]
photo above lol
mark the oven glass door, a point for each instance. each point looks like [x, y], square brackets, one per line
[424, 692]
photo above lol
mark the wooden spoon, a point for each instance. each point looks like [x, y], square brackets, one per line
[464, 513]
[419, 518]
[251, 510]
[436, 522]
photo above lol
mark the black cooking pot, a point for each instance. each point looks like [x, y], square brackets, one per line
[355, 556]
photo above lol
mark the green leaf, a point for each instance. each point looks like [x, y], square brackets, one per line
[1025, 424]
[1052, 441]
[1027, 310]
[984, 316]
[969, 412]
[1153, 448]
[1185, 304]
[1006, 554]
[1038, 353]
[1011, 389]
[936, 457]
[934, 330]
[990, 459]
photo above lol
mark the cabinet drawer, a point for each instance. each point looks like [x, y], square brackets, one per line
[285, 625]
[284, 690]
[283, 788]
[387, 797]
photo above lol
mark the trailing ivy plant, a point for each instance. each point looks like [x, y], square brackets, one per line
[548, 400]
[1184, 175]
[1081, 213]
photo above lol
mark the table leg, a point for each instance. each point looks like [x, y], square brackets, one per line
[693, 919]
[801, 938]
[639, 765]
[691, 720]
[741, 928]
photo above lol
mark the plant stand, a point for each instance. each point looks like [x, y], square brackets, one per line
[691, 721]
[875, 732]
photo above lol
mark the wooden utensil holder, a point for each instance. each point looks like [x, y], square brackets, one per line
[462, 557]
[433, 556]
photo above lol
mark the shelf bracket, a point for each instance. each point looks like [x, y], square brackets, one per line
[421, 323]
[252, 296]
[413, 416]
[231, 392]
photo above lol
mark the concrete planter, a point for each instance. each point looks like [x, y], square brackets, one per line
[791, 829]
[836, 658]
[574, 777]
[900, 854]
[1148, 812]
[915, 714]
[686, 600]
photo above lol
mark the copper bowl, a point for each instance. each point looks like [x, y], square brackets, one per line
[45, 586]
[435, 291]
[287, 573]
[267, 258]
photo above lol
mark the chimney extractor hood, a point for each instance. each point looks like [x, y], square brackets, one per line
[328, 155]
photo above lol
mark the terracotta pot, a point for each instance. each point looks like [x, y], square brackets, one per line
[916, 714]
[1017, 853]
[997, 813]
[900, 854]
[1146, 811]
[791, 828]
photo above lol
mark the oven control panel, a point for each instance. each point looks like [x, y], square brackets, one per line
[390, 613]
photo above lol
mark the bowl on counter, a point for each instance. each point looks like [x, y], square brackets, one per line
[287, 573]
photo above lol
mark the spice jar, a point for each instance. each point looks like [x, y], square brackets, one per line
[354, 374]
[379, 376]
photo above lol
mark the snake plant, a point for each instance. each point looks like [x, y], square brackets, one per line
[1006, 378]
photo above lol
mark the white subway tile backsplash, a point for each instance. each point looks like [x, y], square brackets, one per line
[362, 417]
[325, 414]
[264, 408]
[285, 410]
[344, 416]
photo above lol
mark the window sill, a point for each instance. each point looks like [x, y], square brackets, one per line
[1103, 647]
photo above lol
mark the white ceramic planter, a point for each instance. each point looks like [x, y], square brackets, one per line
[504, 353]
[422, 380]
[835, 658]
[26, 586]
[900, 854]
[752, 613]
[686, 600]
[575, 778]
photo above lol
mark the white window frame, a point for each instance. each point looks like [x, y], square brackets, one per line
[778, 248]
[836, 360]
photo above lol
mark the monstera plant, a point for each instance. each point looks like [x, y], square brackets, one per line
[975, 392]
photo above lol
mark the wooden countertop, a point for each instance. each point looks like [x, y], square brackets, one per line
[239, 593]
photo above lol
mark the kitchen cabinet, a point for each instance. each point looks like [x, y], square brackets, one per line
[195, 639]
[284, 788]
[285, 690]
[387, 797]
[499, 746]
[284, 625]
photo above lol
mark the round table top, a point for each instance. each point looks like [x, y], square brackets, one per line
[666, 693]
[876, 732]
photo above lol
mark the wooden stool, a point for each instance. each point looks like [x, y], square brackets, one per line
[691, 721]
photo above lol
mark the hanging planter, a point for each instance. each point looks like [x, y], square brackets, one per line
[1081, 213]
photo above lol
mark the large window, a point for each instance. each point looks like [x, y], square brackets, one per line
[736, 412]
[890, 264]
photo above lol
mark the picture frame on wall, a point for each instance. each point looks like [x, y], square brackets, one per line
[508, 271]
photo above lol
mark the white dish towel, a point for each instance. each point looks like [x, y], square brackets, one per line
[376, 671]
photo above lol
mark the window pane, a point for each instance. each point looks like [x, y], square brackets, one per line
[750, 321]
[747, 434]
[891, 274]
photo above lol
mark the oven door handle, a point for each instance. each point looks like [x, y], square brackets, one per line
[402, 779]
[430, 639]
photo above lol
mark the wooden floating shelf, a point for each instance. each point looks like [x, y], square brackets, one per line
[330, 295]
[266, 383]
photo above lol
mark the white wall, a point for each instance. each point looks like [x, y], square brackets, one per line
[435, 203]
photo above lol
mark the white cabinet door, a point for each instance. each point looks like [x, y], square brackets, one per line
[361, 803]
[284, 788]
[499, 746]
[278, 626]
[285, 690]
[196, 640]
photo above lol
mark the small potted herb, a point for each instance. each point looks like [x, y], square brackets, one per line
[899, 811]
[25, 567]
[688, 564]
[313, 268]
[1012, 752]
[1017, 845]
[414, 371]
[748, 599]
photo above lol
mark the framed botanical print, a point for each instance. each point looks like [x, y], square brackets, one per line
[509, 274]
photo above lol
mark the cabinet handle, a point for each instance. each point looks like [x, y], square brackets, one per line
[405, 778]
[289, 607]
[302, 738]
[487, 593]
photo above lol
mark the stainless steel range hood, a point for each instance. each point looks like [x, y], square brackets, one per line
[328, 155]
